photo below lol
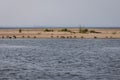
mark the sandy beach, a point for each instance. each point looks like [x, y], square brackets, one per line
[59, 33]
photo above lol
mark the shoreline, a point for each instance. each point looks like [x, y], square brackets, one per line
[60, 33]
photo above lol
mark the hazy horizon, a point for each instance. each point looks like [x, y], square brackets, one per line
[85, 13]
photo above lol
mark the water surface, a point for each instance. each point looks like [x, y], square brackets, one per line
[60, 59]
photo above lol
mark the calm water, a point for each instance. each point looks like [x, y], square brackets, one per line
[60, 59]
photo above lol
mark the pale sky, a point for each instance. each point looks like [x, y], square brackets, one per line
[60, 12]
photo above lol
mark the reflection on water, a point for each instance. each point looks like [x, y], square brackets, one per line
[60, 59]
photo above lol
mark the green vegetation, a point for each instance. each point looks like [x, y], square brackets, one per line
[92, 31]
[20, 30]
[14, 36]
[106, 37]
[34, 36]
[82, 37]
[83, 30]
[23, 36]
[114, 33]
[48, 30]
[62, 36]
[28, 36]
[51, 36]
[65, 30]
[75, 37]
[2, 36]
[95, 37]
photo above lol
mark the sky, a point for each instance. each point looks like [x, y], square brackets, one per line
[95, 13]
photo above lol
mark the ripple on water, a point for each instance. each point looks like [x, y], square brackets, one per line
[16, 46]
[59, 60]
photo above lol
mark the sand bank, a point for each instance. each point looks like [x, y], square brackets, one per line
[58, 33]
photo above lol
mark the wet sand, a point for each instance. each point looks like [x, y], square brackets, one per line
[57, 33]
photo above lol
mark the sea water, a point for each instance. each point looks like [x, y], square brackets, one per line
[60, 59]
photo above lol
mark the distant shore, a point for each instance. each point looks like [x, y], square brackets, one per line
[67, 33]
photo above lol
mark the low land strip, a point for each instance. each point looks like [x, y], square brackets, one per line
[66, 33]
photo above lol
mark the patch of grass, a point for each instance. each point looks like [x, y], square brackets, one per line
[34, 36]
[75, 37]
[51, 36]
[64, 30]
[95, 37]
[57, 36]
[82, 36]
[83, 30]
[70, 36]
[62, 37]
[48, 30]
[2, 36]
[23, 36]
[106, 37]
[28, 36]
[114, 33]
[14, 36]
[20, 30]
[92, 31]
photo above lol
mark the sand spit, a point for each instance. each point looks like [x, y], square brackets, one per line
[67, 33]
